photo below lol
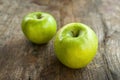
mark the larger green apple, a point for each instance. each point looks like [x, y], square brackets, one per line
[75, 45]
[39, 27]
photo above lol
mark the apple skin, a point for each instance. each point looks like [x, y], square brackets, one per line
[39, 27]
[75, 45]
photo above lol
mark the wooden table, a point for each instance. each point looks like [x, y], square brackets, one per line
[22, 60]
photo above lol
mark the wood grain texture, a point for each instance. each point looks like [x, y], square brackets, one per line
[22, 60]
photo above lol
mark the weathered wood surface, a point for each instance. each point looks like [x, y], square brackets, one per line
[22, 60]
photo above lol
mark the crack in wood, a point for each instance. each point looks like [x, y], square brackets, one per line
[107, 69]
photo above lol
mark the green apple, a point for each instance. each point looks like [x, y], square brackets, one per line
[75, 45]
[39, 27]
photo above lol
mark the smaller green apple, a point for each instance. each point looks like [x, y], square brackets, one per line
[75, 45]
[39, 27]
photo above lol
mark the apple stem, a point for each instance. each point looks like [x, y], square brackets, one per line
[39, 16]
[75, 33]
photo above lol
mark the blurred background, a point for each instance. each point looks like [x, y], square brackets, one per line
[22, 60]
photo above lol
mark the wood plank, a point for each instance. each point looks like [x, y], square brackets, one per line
[22, 60]
[111, 19]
